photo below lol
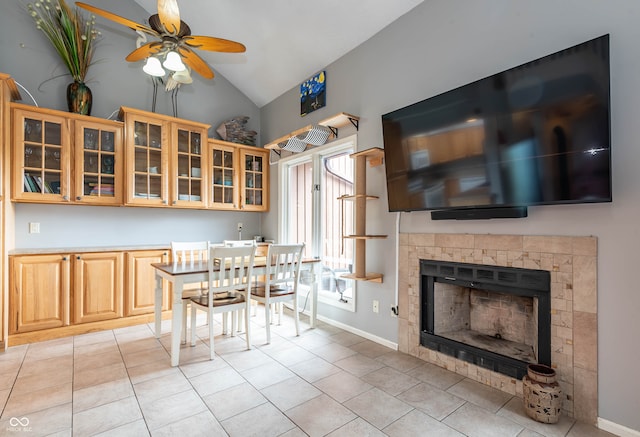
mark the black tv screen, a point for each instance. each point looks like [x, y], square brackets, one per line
[535, 134]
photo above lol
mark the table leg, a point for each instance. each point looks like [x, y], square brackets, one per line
[158, 306]
[176, 323]
[314, 293]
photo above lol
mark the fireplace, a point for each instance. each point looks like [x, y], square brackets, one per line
[571, 262]
[498, 318]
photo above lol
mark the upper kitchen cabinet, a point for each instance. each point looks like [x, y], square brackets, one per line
[224, 165]
[239, 177]
[99, 166]
[164, 160]
[188, 169]
[254, 179]
[146, 140]
[60, 157]
[41, 155]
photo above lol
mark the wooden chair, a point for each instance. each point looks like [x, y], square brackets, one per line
[281, 281]
[230, 276]
[237, 243]
[189, 253]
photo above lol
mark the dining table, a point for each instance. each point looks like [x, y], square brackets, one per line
[179, 274]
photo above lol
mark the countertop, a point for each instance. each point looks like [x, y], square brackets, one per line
[87, 249]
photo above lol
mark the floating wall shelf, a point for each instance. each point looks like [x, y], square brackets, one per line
[374, 156]
[297, 140]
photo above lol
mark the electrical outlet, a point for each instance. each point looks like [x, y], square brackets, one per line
[376, 306]
[239, 226]
[34, 228]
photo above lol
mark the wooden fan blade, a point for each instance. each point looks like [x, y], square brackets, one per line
[213, 44]
[144, 51]
[117, 18]
[169, 15]
[195, 62]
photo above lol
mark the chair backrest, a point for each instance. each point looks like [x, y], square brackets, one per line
[283, 263]
[238, 243]
[230, 268]
[191, 252]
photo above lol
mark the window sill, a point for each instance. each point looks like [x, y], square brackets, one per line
[332, 300]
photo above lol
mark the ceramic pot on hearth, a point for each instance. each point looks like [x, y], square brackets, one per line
[541, 394]
[79, 98]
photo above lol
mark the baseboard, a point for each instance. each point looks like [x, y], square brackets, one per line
[616, 429]
[367, 335]
[82, 328]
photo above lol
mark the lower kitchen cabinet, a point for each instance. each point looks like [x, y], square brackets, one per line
[97, 286]
[57, 290]
[39, 297]
[141, 282]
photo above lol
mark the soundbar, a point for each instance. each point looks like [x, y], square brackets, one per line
[480, 213]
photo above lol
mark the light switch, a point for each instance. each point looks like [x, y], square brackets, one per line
[34, 228]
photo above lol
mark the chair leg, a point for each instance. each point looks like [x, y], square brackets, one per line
[212, 351]
[194, 313]
[280, 311]
[240, 316]
[246, 326]
[267, 316]
[234, 316]
[224, 324]
[184, 321]
[296, 315]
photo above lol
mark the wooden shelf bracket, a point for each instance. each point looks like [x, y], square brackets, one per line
[375, 157]
[332, 123]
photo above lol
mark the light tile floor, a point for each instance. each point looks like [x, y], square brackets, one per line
[325, 382]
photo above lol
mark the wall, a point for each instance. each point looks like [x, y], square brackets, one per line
[28, 57]
[443, 44]
[81, 226]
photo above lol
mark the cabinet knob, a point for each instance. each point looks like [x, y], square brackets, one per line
[164, 202]
[78, 257]
[64, 258]
[175, 202]
[79, 198]
[65, 197]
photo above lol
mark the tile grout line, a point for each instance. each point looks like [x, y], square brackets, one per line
[135, 395]
[15, 379]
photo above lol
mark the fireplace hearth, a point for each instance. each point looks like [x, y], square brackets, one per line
[498, 318]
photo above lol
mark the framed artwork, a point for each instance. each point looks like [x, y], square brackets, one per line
[313, 93]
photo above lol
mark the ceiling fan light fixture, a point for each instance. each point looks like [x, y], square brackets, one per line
[153, 68]
[182, 76]
[173, 62]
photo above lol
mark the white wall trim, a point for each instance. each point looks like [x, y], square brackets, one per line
[367, 335]
[614, 428]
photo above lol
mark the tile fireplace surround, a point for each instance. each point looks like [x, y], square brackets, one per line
[572, 262]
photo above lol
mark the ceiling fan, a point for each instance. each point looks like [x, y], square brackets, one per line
[175, 43]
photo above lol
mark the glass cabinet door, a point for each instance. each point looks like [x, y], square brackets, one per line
[41, 152]
[254, 167]
[147, 163]
[189, 187]
[98, 162]
[223, 191]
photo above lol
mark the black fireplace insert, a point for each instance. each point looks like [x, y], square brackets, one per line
[528, 283]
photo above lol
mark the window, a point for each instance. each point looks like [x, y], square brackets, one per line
[310, 184]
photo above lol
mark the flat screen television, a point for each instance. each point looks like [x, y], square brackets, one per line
[536, 134]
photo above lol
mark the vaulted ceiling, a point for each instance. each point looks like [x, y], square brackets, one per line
[287, 40]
